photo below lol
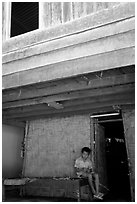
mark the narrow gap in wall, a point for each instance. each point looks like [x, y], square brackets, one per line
[24, 17]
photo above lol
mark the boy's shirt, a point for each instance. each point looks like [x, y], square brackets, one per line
[80, 163]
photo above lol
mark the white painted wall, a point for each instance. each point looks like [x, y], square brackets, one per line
[11, 151]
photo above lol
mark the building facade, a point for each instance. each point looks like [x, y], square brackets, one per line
[70, 83]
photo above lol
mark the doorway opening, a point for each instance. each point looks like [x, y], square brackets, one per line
[117, 171]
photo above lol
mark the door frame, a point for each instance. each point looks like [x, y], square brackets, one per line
[93, 135]
[93, 121]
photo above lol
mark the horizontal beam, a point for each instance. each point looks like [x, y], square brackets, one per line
[90, 110]
[27, 109]
[68, 85]
[66, 104]
[69, 113]
[110, 120]
[14, 123]
[97, 99]
[90, 48]
[84, 65]
[70, 96]
[116, 99]
[95, 38]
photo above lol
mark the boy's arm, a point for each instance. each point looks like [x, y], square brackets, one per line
[79, 169]
[88, 170]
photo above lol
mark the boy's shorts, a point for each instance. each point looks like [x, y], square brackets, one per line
[84, 176]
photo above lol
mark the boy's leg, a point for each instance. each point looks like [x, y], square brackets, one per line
[96, 177]
[90, 180]
[98, 195]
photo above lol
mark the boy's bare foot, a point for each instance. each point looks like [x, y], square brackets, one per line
[99, 196]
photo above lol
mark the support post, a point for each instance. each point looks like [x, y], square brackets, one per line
[6, 20]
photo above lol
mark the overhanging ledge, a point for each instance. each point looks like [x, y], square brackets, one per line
[105, 45]
[72, 68]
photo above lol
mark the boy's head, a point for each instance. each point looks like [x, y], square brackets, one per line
[85, 152]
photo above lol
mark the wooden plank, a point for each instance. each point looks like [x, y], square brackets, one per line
[66, 104]
[105, 61]
[98, 108]
[123, 11]
[69, 113]
[70, 96]
[71, 52]
[92, 103]
[14, 123]
[97, 99]
[67, 86]
[100, 156]
[27, 109]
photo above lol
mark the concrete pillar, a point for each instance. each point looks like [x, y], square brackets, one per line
[3, 191]
[54, 13]
[50, 14]
[6, 20]
[43, 15]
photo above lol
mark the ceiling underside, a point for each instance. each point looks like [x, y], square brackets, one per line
[85, 93]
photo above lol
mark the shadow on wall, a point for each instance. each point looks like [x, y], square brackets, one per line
[12, 138]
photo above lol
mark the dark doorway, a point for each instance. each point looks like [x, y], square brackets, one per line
[24, 17]
[116, 159]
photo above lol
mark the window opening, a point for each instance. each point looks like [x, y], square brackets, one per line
[24, 17]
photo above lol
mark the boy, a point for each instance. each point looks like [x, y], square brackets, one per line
[84, 169]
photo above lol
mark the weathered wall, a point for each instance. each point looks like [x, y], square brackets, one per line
[6, 18]
[53, 144]
[12, 138]
[54, 13]
[94, 43]
[129, 129]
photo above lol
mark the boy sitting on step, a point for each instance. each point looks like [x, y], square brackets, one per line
[84, 169]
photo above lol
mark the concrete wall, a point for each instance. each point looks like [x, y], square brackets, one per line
[94, 43]
[53, 144]
[55, 13]
[11, 151]
[129, 129]
[6, 20]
